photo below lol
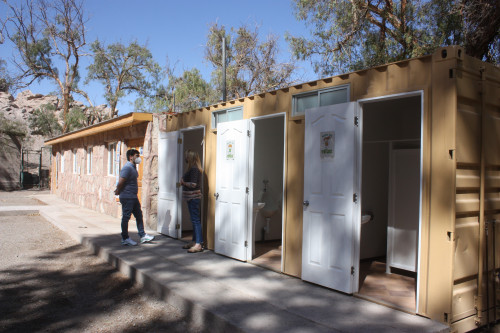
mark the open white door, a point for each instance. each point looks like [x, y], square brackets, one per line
[330, 210]
[168, 177]
[231, 189]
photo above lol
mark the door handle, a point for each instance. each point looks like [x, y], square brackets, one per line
[306, 203]
[216, 195]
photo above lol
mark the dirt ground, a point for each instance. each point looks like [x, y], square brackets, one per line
[49, 282]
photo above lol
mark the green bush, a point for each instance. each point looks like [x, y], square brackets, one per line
[44, 122]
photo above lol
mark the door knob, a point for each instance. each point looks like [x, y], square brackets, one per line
[216, 195]
[306, 203]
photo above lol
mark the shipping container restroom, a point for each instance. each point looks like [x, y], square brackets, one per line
[392, 168]
[391, 183]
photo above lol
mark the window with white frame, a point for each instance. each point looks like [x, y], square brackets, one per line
[75, 162]
[323, 97]
[62, 162]
[90, 155]
[113, 166]
[226, 115]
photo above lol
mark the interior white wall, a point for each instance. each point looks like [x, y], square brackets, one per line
[192, 140]
[268, 164]
[390, 121]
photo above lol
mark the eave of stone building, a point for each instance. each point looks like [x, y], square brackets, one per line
[127, 120]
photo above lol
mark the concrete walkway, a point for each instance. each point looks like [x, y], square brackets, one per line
[219, 293]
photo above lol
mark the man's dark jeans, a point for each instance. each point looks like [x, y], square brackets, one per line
[131, 206]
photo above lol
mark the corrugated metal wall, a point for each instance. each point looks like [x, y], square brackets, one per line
[477, 196]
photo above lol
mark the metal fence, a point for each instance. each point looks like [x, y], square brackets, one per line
[35, 168]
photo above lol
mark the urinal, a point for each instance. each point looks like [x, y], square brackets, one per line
[366, 217]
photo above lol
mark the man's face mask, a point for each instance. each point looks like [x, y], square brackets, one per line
[137, 160]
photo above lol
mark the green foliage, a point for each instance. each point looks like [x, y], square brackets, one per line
[191, 91]
[75, 119]
[158, 102]
[122, 70]
[6, 82]
[252, 66]
[351, 35]
[44, 122]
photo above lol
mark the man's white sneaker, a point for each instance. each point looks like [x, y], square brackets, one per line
[128, 241]
[147, 238]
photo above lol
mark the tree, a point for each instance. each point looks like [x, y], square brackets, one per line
[6, 81]
[475, 24]
[354, 34]
[123, 69]
[252, 67]
[76, 119]
[191, 90]
[183, 93]
[49, 36]
[44, 122]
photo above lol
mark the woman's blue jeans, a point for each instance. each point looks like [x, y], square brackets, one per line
[194, 211]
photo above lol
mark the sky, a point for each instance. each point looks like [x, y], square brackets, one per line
[178, 30]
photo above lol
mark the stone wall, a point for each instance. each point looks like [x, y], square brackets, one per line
[150, 178]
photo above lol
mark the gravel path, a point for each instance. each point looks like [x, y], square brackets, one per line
[49, 282]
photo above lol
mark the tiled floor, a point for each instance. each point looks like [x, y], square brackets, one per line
[393, 289]
[268, 254]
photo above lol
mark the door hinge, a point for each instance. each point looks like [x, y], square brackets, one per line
[352, 270]
[356, 121]
[177, 226]
[247, 190]
[246, 243]
[179, 140]
[355, 198]
[248, 133]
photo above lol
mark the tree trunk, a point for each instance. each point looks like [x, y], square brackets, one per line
[113, 109]
[65, 110]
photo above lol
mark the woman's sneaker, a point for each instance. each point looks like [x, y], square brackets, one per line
[128, 241]
[147, 238]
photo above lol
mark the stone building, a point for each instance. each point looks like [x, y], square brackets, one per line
[86, 164]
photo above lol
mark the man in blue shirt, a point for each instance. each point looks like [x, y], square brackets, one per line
[127, 190]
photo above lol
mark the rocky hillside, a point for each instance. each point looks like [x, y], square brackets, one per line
[20, 109]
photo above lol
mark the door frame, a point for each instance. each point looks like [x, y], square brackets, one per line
[251, 158]
[180, 162]
[360, 103]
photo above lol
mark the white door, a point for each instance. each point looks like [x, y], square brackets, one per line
[168, 177]
[231, 189]
[330, 211]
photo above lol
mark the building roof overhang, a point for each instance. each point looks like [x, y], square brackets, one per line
[127, 120]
